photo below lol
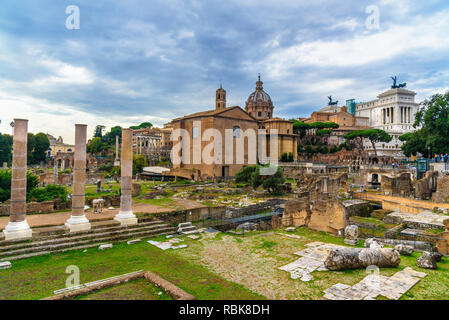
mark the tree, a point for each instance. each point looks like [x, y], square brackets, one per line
[142, 125]
[374, 135]
[244, 175]
[48, 193]
[37, 147]
[300, 128]
[5, 148]
[413, 143]
[109, 138]
[41, 145]
[5, 184]
[139, 162]
[433, 120]
[95, 146]
[99, 131]
[274, 183]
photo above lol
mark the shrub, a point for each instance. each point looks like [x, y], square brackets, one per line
[245, 174]
[49, 193]
[5, 184]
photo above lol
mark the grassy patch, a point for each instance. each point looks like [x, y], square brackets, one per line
[139, 289]
[38, 277]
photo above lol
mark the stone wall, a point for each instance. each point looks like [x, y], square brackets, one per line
[397, 185]
[442, 192]
[324, 214]
[32, 207]
[67, 179]
[254, 208]
[426, 186]
[192, 215]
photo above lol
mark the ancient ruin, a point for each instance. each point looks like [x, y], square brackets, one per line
[78, 220]
[18, 227]
[125, 215]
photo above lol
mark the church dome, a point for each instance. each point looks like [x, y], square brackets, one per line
[259, 103]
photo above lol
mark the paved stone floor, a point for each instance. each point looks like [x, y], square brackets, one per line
[374, 285]
[312, 258]
[170, 244]
[59, 218]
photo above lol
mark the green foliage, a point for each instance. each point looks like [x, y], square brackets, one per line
[109, 138]
[95, 146]
[37, 148]
[106, 167]
[251, 175]
[142, 125]
[139, 162]
[323, 132]
[374, 135]
[300, 128]
[287, 157]
[324, 125]
[5, 148]
[245, 174]
[99, 131]
[273, 183]
[256, 179]
[49, 193]
[5, 184]
[433, 121]
[414, 142]
[114, 173]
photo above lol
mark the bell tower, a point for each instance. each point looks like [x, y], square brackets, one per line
[220, 98]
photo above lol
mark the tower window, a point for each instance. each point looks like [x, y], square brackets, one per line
[259, 114]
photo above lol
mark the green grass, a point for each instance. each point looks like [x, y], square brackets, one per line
[374, 221]
[38, 277]
[162, 202]
[138, 289]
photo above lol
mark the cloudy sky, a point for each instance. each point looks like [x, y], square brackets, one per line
[133, 61]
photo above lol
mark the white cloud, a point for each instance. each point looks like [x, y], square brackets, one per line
[350, 24]
[421, 36]
[185, 34]
[64, 73]
[58, 119]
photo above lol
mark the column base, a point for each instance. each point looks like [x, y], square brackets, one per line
[78, 223]
[17, 230]
[126, 218]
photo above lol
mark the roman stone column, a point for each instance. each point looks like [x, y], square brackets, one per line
[117, 159]
[78, 221]
[18, 227]
[125, 215]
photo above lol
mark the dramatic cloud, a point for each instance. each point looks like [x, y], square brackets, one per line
[134, 61]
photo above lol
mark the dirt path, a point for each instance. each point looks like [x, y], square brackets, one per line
[56, 219]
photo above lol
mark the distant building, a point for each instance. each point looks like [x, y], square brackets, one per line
[154, 143]
[393, 111]
[58, 145]
[347, 122]
[258, 114]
